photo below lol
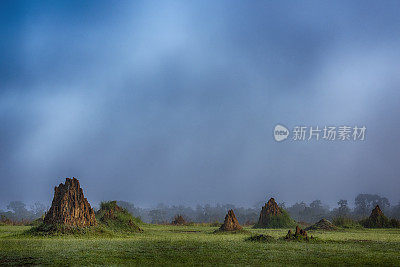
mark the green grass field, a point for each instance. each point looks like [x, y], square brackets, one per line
[173, 245]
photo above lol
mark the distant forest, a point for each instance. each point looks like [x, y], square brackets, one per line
[17, 211]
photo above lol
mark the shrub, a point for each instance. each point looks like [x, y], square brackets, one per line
[281, 220]
[380, 222]
[345, 222]
[116, 218]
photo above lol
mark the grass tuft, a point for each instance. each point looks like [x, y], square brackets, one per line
[261, 238]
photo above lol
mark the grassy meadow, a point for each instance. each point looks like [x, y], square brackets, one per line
[165, 244]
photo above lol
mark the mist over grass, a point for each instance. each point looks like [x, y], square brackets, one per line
[166, 244]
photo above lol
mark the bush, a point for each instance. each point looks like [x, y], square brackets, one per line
[37, 222]
[109, 205]
[345, 222]
[12, 221]
[395, 223]
[281, 220]
[116, 218]
[380, 222]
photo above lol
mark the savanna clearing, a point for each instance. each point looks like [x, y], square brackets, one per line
[166, 244]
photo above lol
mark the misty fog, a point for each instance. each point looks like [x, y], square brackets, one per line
[175, 102]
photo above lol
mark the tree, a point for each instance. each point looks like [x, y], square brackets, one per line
[19, 208]
[16, 206]
[38, 209]
[130, 207]
[18, 211]
[343, 209]
[366, 202]
[158, 216]
[396, 211]
[297, 211]
[316, 204]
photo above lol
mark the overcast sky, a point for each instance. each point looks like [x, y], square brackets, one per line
[176, 101]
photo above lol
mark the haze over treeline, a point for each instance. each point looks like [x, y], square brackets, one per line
[17, 211]
[175, 101]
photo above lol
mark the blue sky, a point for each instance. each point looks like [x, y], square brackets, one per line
[175, 101]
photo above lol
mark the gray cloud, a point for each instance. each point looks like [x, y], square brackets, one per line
[175, 102]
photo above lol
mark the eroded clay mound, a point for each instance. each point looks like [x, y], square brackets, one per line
[69, 206]
[270, 208]
[230, 222]
[298, 235]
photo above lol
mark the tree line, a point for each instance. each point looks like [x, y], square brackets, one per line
[300, 211]
[17, 211]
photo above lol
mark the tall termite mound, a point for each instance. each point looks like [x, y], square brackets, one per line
[70, 207]
[272, 216]
[230, 222]
[378, 220]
